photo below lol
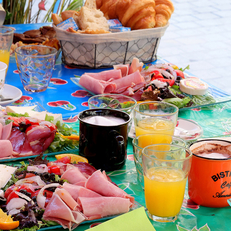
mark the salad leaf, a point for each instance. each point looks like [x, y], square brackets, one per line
[180, 103]
[13, 114]
[183, 69]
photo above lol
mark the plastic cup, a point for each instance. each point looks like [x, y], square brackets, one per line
[35, 65]
[6, 39]
[155, 117]
[112, 101]
[143, 141]
[166, 168]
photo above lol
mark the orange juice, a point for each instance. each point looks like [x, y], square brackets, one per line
[164, 191]
[154, 126]
[5, 57]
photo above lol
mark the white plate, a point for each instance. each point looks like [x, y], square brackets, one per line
[188, 130]
[12, 92]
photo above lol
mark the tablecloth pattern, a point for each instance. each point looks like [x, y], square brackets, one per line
[63, 96]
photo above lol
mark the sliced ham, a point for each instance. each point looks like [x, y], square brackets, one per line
[75, 191]
[128, 81]
[107, 75]
[38, 133]
[123, 67]
[58, 209]
[97, 182]
[17, 139]
[84, 192]
[6, 149]
[67, 198]
[1, 131]
[73, 176]
[98, 207]
[6, 131]
[96, 86]
[131, 90]
[135, 65]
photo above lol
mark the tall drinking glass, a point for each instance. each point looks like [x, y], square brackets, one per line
[144, 140]
[165, 176]
[155, 117]
[6, 39]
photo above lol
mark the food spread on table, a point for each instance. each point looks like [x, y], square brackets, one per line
[45, 193]
[149, 82]
[26, 132]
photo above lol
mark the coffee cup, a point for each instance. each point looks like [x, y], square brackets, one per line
[209, 181]
[103, 137]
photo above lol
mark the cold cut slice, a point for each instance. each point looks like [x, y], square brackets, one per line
[107, 75]
[97, 182]
[96, 86]
[128, 81]
[6, 148]
[98, 207]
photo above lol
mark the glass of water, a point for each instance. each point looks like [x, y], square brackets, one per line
[35, 65]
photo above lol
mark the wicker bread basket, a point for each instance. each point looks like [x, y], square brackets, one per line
[106, 50]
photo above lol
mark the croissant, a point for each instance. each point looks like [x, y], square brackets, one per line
[137, 14]
[164, 10]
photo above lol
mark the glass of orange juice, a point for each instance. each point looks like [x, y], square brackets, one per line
[165, 178]
[6, 39]
[143, 141]
[155, 117]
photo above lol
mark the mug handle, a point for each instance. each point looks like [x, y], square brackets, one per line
[118, 147]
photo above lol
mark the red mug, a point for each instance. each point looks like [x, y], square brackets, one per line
[209, 180]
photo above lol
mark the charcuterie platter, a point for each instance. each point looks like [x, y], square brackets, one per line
[60, 193]
[160, 81]
[30, 131]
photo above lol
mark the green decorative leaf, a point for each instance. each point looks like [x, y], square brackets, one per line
[204, 228]
[181, 228]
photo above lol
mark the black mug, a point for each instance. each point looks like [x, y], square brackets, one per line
[105, 146]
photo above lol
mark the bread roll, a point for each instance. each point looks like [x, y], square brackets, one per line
[137, 14]
[90, 4]
[164, 10]
[71, 13]
[90, 19]
[56, 19]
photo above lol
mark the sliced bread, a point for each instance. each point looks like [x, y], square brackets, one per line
[92, 19]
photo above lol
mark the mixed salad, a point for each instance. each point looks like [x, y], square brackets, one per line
[164, 84]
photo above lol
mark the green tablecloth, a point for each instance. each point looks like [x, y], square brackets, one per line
[216, 122]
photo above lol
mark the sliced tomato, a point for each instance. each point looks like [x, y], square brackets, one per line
[11, 196]
[65, 160]
[48, 194]
[54, 169]
[180, 73]
[29, 174]
[9, 190]
[156, 74]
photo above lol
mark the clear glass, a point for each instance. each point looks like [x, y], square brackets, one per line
[144, 140]
[6, 39]
[155, 117]
[166, 168]
[35, 66]
[112, 101]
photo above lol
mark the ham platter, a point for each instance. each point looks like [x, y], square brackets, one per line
[31, 133]
[151, 82]
[46, 193]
